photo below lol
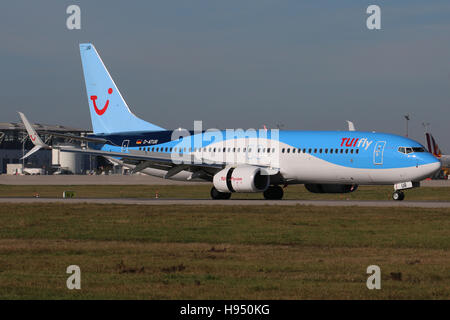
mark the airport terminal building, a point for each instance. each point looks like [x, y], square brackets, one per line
[15, 143]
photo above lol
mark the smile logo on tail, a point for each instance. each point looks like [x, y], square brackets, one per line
[102, 110]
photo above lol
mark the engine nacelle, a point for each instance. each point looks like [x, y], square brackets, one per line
[331, 188]
[241, 179]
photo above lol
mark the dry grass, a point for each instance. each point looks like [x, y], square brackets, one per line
[223, 252]
[197, 271]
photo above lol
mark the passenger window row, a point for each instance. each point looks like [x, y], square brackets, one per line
[176, 149]
[260, 150]
[319, 150]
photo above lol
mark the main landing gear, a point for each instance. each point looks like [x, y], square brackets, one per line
[398, 195]
[217, 195]
[273, 193]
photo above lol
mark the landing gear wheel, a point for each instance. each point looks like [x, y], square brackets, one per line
[398, 195]
[217, 195]
[273, 193]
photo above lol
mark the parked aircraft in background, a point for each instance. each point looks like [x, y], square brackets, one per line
[436, 151]
[262, 161]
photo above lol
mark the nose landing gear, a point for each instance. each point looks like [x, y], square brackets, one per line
[398, 194]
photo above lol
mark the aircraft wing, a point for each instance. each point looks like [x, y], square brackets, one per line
[156, 157]
[157, 160]
[74, 137]
[150, 158]
[140, 158]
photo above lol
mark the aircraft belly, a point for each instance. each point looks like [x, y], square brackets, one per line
[313, 170]
[307, 169]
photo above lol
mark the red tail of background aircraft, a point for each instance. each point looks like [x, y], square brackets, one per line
[432, 145]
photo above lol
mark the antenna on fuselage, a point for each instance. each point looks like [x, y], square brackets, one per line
[351, 126]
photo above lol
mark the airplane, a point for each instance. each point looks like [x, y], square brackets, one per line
[260, 161]
[436, 151]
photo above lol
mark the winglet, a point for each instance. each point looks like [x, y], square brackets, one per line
[29, 153]
[38, 143]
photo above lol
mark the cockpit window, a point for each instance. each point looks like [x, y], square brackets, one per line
[410, 150]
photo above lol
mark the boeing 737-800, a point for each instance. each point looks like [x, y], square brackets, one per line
[262, 161]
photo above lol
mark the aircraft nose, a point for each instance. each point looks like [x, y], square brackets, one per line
[433, 166]
[428, 165]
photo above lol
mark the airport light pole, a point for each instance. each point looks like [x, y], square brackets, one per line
[407, 120]
[426, 126]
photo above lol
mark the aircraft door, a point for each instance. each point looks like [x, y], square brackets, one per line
[378, 152]
[125, 144]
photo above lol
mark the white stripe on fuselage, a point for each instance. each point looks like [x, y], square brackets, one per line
[309, 169]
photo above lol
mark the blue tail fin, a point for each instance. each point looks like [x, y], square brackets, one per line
[109, 111]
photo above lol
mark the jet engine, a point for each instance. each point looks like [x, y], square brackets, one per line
[241, 179]
[331, 188]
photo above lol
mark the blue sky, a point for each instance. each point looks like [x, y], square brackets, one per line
[305, 64]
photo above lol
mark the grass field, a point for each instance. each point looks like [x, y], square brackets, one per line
[222, 252]
[202, 192]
